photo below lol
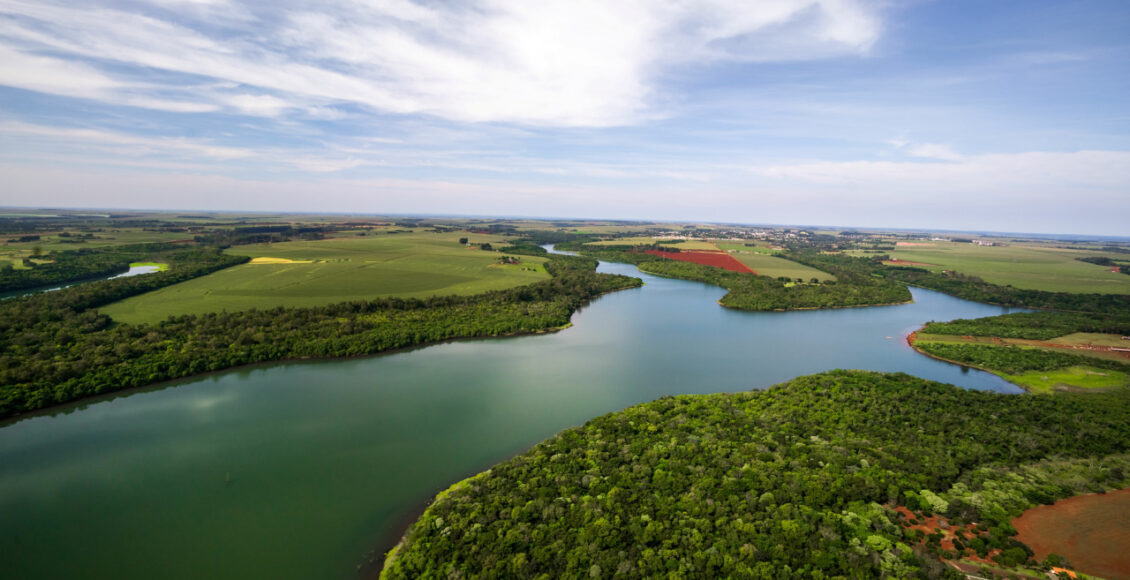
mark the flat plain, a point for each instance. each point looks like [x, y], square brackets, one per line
[1032, 267]
[316, 273]
[770, 265]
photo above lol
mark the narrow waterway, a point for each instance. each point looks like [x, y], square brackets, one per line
[133, 271]
[298, 470]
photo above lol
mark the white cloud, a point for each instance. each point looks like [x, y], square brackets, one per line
[565, 62]
[934, 151]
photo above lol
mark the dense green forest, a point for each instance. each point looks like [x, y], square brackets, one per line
[854, 286]
[1013, 360]
[55, 347]
[974, 288]
[1033, 325]
[793, 481]
[71, 265]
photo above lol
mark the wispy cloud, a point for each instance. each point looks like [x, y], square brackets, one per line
[568, 63]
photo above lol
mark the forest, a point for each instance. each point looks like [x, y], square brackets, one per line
[1014, 360]
[854, 286]
[71, 265]
[795, 481]
[56, 347]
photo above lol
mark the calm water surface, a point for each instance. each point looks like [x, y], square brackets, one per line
[299, 470]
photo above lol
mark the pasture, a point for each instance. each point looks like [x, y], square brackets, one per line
[1027, 266]
[770, 265]
[315, 273]
[14, 252]
[682, 245]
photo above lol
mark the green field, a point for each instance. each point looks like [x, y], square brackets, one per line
[1076, 378]
[770, 265]
[15, 252]
[682, 245]
[323, 272]
[1023, 266]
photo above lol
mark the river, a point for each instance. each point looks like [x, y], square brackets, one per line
[298, 470]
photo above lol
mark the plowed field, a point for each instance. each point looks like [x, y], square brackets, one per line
[716, 259]
[1092, 531]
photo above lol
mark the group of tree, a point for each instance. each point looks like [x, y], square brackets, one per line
[56, 347]
[71, 265]
[1041, 325]
[794, 481]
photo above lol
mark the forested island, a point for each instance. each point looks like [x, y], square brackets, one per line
[800, 480]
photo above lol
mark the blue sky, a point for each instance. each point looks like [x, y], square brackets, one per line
[1002, 115]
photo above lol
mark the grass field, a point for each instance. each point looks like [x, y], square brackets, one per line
[336, 270]
[15, 252]
[1023, 266]
[769, 265]
[683, 245]
[1073, 378]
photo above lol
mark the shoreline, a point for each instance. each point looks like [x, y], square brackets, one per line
[913, 337]
[166, 383]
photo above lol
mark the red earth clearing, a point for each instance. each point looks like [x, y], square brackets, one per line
[716, 259]
[1092, 531]
[930, 524]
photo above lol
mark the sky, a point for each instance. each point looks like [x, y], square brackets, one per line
[1009, 115]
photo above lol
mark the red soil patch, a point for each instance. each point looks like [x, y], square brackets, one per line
[705, 258]
[898, 262]
[1092, 531]
[934, 524]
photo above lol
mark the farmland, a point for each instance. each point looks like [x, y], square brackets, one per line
[765, 263]
[1023, 266]
[315, 273]
[1091, 531]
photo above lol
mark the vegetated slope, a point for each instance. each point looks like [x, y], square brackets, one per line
[779, 483]
[854, 285]
[55, 348]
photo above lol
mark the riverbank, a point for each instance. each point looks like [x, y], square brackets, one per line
[912, 338]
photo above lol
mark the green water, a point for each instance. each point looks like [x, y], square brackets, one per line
[301, 470]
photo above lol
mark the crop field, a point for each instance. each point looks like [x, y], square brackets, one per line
[682, 245]
[323, 272]
[1022, 266]
[1091, 531]
[773, 266]
[14, 252]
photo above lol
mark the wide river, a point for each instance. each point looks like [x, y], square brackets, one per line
[299, 470]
